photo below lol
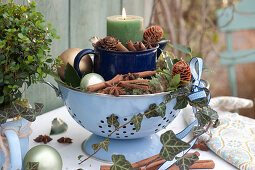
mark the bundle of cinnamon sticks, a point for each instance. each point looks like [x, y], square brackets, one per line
[200, 164]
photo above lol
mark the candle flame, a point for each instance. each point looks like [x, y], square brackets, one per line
[124, 15]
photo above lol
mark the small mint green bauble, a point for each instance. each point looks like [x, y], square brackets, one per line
[47, 156]
[91, 79]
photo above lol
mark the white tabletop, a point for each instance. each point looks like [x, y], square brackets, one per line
[70, 152]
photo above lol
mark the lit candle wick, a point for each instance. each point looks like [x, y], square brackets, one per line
[124, 15]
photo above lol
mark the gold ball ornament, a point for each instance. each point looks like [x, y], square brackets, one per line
[47, 157]
[68, 56]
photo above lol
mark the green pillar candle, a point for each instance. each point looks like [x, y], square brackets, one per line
[125, 28]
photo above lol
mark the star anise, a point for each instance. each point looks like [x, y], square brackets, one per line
[112, 89]
[65, 140]
[43, 138]
[130, 76]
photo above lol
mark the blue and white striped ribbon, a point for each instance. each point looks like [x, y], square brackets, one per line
[196, 67]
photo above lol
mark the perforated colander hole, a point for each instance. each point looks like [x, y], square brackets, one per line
[156, 130]
[167, 120]
[117, 137]
[134, 128]
[131, 123]
[100, 126]
[74, 114]
[103, 131]
[69, 108]
[126, 136]
[164, 118]
[109, 126]
[117, 134]
[164, 127]
[124, 126]
[109, 131]
[125, 119]
[172, 115]
[131, 133]
[102, 121]
[79, 121]
[159, 124]
[171, 112]
[124, 132]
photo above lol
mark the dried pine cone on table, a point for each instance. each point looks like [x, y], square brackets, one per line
[183, 69]
[152, 36]
[108, 43]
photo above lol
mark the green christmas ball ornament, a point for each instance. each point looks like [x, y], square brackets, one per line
[47, 157]
[90, 79]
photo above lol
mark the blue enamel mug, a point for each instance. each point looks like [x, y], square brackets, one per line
[109, 63]
[18, 147]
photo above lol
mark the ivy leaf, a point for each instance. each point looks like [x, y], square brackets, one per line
[167, 97]
[120, 163]
[30, 115]
[113, 120]
[171, 145]
[182, 48]
[155, 111]
[216, 123]
[38, 107]
[181, 102]
[32, 166]
[71, 76]
[203, 119]
[200, 102]
[198, 130]
[161, 109]
[104, 144]
[181, 91]
[210, 112]
[137, 120]
[185, 162]
[58, 126]
[151, 112]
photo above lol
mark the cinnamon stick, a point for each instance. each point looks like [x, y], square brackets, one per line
[145, 161]
[102, 85]
[135, 81]
[121, 47]
[146, 74]
[139, 46]
[130, 45]
[117, 79]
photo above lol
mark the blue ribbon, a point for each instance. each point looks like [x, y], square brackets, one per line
[196, 67]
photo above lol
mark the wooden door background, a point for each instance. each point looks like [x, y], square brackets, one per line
[76, 21]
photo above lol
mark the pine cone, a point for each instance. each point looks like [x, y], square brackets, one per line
[108, 43]
[152, 36]
[183, 69]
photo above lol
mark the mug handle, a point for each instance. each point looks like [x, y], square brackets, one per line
[15, 150]
[78, 58]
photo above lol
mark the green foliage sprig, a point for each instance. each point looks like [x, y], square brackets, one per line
[25, 41]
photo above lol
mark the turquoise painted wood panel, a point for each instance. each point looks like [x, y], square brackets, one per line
[55, 12]
[237, 57]
[243, 18]
[88, 19]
